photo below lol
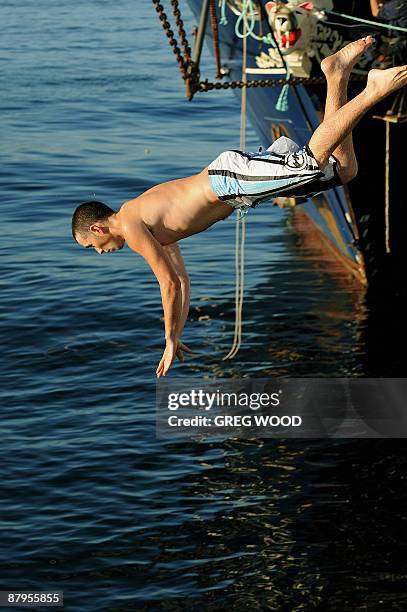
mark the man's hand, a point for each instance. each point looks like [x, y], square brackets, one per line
[173, 348]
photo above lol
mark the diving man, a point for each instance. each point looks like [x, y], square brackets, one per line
[153, 223]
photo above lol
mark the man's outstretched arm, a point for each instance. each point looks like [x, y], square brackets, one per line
[174, 253]
[144, 243]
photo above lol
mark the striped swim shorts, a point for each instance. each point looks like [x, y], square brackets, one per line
[243, 180]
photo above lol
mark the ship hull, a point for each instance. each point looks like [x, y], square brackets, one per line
[349, 219]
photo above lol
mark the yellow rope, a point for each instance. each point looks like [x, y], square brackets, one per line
[394, 115]
[237, 292]
[240, 238]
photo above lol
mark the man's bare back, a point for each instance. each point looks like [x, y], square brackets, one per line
[151, 225]
[174, 210]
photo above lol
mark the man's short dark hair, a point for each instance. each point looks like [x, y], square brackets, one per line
[86, 214]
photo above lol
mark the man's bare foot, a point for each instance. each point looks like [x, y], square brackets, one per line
[343, 60]
[381, 83]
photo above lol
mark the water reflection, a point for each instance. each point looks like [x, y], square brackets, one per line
[277, 526]
[304, 317]
[91, 501]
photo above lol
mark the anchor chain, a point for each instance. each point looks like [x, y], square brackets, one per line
[170, 34]
[181, 30]
[207, 86]
[190, 70]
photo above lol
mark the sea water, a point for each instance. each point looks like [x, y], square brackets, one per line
[92, 106]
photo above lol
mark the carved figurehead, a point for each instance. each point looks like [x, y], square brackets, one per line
[294, 23]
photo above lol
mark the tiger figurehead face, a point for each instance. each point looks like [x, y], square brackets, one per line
[292, 24]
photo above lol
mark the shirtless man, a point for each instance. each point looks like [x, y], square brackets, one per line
[155, 221]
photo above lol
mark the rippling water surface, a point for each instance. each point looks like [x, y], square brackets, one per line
[91, 502]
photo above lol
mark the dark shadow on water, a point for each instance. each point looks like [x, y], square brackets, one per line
[291, 527]
[310, 317]
[295, 525]
[384, 333]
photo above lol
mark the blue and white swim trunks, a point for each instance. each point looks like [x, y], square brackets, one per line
[243, 180]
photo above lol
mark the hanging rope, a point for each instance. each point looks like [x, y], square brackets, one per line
[240, 223]
[247, 18]
[223, 18]
[282, 102]
[396, 114]
[376, 24]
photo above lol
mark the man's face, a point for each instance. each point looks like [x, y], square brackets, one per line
[102, 243]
